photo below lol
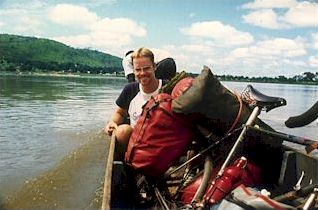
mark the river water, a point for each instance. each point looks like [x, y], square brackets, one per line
[53, 151]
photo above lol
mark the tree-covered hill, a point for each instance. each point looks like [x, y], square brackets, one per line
[19, 53]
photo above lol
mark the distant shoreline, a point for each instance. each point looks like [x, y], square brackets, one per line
[121, 76]
[273, 82]
[68, 75]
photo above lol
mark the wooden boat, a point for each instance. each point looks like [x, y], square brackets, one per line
[295, 186]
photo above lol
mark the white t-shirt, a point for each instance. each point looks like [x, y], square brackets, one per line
[135, 106]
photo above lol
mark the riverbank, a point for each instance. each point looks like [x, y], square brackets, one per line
[57, 74]
[121, 75]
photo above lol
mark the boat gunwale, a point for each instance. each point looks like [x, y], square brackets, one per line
[106, 202]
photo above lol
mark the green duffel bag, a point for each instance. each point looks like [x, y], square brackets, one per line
[208, 101]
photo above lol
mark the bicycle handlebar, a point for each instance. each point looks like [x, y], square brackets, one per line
[304, 119]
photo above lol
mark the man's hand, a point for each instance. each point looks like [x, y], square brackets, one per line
[115, 120]
[110, 127]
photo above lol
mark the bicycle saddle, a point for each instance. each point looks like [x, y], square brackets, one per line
[255, 98]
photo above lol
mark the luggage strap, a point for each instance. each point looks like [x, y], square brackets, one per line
[157, 106]
[238, 116]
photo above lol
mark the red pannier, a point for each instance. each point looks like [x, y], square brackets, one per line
[159, 139]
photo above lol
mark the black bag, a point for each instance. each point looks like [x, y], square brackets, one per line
[166, 69]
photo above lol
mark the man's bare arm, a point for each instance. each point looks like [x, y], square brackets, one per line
[116, 119]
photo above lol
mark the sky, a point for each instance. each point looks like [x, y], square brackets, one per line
[236, 37]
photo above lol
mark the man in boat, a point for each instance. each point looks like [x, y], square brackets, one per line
[134, 95]
[165, 69]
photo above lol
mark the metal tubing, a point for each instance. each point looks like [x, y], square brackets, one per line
[295, 194]
[201, 153]
[290, 138]
[205, 180]
[161, 199]
[311, 200]
[249, 122]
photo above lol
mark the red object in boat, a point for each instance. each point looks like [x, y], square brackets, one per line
[181, 86]
[251, 176]
[189, 191]
[159, 138]
[226, 182]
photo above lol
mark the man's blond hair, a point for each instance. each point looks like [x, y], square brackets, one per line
[143, 52]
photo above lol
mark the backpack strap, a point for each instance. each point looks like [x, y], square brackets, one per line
[238, 116]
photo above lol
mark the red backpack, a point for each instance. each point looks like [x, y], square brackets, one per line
[159, 138]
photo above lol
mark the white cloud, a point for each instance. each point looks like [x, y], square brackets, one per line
[268, 4]
[1, 24]
[29, 23]
[218, 32]
[197, 55]
[161, 53]
[106, 34]
[304, 14]
[313, 61]
[119, 26]
[23, 21]
[240, 53]
[78, 40]
[273, 48]
[270, 57]
[67, 14]
[296, 14]
[280, 56]
[197, 48]
[298, 63]
[264, 18]
[186, 56]
[315, 41]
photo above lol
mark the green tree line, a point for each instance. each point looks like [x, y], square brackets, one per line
[306, 78]
[19, 53]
